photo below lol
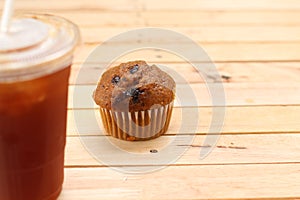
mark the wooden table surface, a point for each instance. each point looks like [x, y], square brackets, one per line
[255, 45]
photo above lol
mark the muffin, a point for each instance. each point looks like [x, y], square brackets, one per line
[135, 100]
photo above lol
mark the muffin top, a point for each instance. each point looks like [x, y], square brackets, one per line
[134, 86]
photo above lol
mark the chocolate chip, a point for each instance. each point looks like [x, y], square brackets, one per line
[115, 79]
[135, 96]
[134, 69]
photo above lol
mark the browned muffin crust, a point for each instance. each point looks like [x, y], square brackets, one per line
[134, 86]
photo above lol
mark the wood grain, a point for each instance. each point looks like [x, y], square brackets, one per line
[280, 72]
[54, 5]
[224, 4]
[209, 34]
[220, 52]
[108, 19]
[230, 149]
[102, 18]
[185, 182]
[158, 5]
[221, 18]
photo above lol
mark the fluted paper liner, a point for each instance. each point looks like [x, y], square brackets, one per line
[140, 125]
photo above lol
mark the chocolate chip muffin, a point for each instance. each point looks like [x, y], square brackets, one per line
[135, 100]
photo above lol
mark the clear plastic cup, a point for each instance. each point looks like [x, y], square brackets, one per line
[35, 62]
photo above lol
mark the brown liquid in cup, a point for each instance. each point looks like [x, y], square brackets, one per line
[33, 136]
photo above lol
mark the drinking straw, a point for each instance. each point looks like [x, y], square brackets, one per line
[6, 16]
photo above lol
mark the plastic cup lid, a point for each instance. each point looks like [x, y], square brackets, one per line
[36, 45]
[24, 33]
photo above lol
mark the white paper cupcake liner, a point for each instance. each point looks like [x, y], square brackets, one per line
[140, 125]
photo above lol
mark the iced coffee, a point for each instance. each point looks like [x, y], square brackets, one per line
[33, 107]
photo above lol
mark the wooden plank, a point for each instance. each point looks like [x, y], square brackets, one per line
[230, 149]
[205, 19]
[193, 95]
[221, 5]
[218, 52]
[99, 18]
[209, 34]
[117, 5]
[185, 182]
[190, 18]
[238, 120]
[158, 5]
[232, 72]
